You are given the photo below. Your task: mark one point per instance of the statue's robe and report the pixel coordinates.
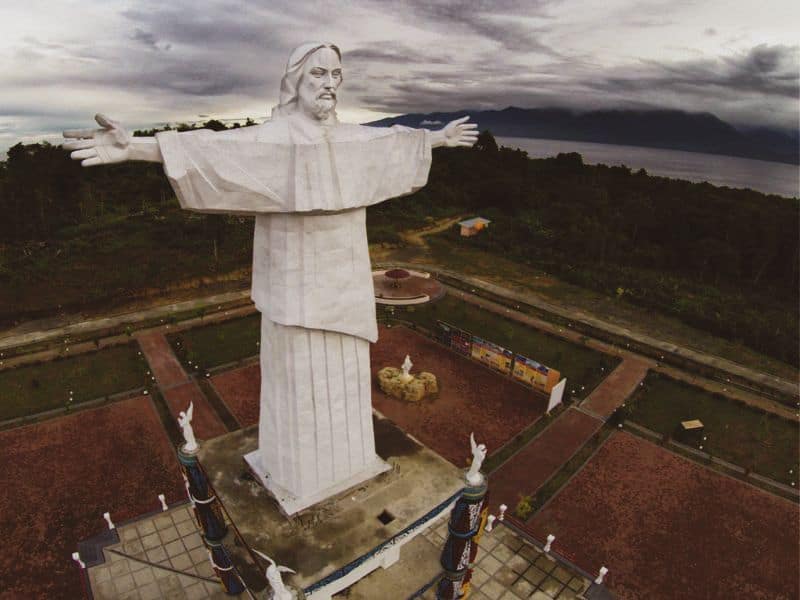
(308, 186)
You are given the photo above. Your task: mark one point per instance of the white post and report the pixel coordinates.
(77, 558)
(163, 501)
(503, 509)
(601, 575)
(107, 517)
(490, 522)
(550, 539)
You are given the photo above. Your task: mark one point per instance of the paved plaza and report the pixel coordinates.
(509, 567)
(157, 557)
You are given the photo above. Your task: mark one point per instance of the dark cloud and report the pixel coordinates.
(506, 22)
(766, 70)
(145, 37)
(737, 88)
(391, 52)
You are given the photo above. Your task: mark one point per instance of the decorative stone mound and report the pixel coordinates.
(420, 386)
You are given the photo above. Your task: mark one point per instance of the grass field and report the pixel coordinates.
(581, 366)
(764, 443)
(40, 387)
(218, 344)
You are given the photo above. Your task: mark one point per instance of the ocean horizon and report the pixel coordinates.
(717, 169)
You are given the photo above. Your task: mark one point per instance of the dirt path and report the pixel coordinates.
(416, 237)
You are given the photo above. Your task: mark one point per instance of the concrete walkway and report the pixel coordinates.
(59, 328)
(615, 388)
(591, 322)
(710, 385)
(178, 389)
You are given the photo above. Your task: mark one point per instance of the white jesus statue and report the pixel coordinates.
(308, 179)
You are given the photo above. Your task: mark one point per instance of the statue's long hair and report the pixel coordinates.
(291, 78)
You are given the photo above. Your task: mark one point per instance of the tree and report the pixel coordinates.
(486, 142)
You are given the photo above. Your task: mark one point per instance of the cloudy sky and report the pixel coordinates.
(147, 62)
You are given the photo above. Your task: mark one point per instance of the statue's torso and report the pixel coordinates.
(314, 271)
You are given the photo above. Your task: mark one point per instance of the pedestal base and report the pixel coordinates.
(340, 540)
(291, 504)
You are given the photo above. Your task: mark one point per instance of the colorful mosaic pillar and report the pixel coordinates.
(467, 521)
(223, 567)
(207, 509)
(210, 520)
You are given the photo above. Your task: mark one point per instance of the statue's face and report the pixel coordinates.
(322, 75)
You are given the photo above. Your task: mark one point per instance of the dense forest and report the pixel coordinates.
(723, 260)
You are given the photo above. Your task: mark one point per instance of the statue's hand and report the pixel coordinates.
(111, 144)
(460, 133)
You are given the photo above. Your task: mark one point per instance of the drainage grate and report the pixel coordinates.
(386, 517)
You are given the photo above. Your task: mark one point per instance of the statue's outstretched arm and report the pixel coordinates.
(110, 144)
(456, 133)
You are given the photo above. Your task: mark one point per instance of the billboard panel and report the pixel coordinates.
(535, 374)
(455, 338)
(497, 357)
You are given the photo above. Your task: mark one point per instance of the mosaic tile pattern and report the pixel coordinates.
(510, 568)
(170, 542)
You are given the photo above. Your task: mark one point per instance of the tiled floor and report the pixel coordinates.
(170, 542)
(510, 568)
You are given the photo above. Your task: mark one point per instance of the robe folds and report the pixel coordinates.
(308, 186)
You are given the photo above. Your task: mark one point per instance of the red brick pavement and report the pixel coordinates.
(667, 527)
(163, 362)
(177, 387)
(240, 389)
(58, 478)
(205, 422)
(526, 471)
(615, 388)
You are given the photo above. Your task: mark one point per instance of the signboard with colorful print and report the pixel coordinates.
(455, 338)
(535, 374)
(497, 357)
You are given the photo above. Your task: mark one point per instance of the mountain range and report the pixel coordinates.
(669, 129)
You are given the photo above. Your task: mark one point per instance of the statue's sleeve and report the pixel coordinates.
(386, 163)
(227, 172)
(232, 172)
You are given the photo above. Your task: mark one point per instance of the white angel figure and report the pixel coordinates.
(406, 368)
(185, 421)
(279, 591)
(474, 476)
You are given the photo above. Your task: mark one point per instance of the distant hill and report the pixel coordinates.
(671, 129)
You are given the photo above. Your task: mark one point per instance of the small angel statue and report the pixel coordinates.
(185, 421)
(279, 591)
(474, 475)
(406, 367)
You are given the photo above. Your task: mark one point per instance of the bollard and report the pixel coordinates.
(503, 509)
(107, 517)
(490, 522)
(601, 575)
(77, 558)
(163, 501)
(550, 539)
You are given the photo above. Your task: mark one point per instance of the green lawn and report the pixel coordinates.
(36, 388)
(580, 365)
(213, 345)
(747, 437)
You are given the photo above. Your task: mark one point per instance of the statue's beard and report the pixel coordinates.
(322, 108)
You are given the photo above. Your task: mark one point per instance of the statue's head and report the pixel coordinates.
(311, 82)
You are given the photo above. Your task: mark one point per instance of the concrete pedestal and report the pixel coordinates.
(337, 542)
(291, 504)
